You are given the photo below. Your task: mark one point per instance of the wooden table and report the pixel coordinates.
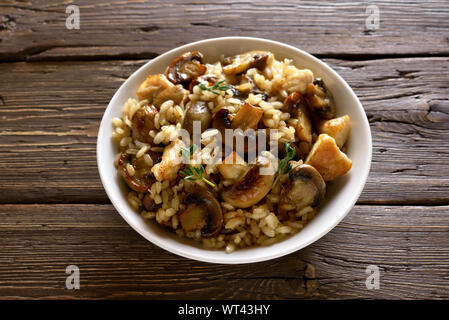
(55, 84)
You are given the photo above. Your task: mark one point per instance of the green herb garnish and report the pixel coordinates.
(190, 172)
(290, 153)
(186, 153)
(215, 86)
(284, 165)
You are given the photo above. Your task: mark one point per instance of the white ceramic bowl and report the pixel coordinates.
(341, 194)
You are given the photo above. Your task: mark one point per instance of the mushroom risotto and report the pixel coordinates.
(234, 153)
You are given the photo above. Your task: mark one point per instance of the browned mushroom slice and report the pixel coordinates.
(320, 100)
(140, 178)
(249, 190)
(247, 117)
(305, 188)
(152, 86)
(203, 212)
(149, 204)
(142, 122)
(295, 104)
(222, 121)
(174, 93)
(244, 86)
(197, 111)
(185, 68)
(242, 62)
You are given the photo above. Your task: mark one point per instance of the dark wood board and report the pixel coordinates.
(129, 29)
(56, 83)
(50, 115)
(408, 244)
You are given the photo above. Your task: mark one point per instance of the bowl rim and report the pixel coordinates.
(204, 258)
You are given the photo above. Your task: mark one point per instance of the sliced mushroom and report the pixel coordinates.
(198, 111)
(320, 100)
(222, 121)
(242, 62)
(244, 86)
(295, 104)
(149, 203)
(175, 93)
(252, 188)
(140, 178)
(142, 122)
(152, 86)
(247, 117)
(305, 188)
(185, 68)
(203, 212)
(338, 128)
(327, 158)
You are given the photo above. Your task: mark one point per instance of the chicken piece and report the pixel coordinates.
(338, 128)
(170, 163)
(296, 80)
(175, 93)
(152, 86)
(233, 167)
(327, 158)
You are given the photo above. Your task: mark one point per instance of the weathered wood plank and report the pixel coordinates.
(50, 112)
(108, 29)
(407, 104)
(408, 244)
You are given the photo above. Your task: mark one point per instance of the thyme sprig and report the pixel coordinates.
(190, 172)
(284, 165)
(215, 86)
(290, 153)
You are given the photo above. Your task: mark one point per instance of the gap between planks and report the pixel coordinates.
(153, 55)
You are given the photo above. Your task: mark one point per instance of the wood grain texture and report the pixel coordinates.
(54, 211)
(408, 244)
(36, 30)
(50, 113)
